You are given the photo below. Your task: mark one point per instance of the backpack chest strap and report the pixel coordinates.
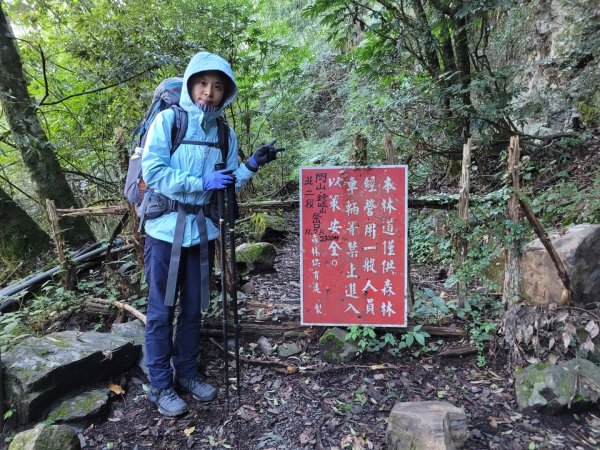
(208, 144)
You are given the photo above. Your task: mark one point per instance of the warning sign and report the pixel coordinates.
(353, 245)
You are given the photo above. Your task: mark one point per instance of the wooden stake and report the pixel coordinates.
(389, 149)
(512, 276)
(358, 154)
(463, 214)
(67, 275)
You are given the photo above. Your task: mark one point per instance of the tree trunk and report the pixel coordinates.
(20, 236)
(358, 155)
(31, 140)
(463, 64)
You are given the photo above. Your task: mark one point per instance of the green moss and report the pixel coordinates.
(590, 110)
(81, 405)
(330, 341)
(262, 221)
(332, 347)
(254, 252)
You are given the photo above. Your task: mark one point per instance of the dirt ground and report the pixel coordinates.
(303, 403)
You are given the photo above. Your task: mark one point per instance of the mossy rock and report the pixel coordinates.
(252, 258)
(46, 437)
(335, 348)
(268, 227)
(87, 405)
(547, 388)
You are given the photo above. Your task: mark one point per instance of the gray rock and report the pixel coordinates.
(134, 331)
(426, 426)
(288, 349)
(579, 247)
(255, 258)
(41, 370)
(335, 348)
(248, 288)
(269, 227)
(552, 389)
(87, 405)
(46, 437)
(265, 346)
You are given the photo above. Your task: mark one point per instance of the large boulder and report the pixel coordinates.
(135, 332)
(46, 437)
(41, 370)
(252, 258)
(429, 425)
(579, 248)
(554, 388)
(269, 227)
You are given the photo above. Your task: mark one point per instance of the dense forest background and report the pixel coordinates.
(403, 81)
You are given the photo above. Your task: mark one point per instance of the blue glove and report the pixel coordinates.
(219, 179)
(263, 155)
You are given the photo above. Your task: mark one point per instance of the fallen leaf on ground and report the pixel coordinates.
(116, 389)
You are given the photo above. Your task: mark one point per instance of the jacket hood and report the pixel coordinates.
(202, 62)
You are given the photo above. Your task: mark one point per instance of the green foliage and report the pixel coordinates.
(566, 202)
(365, 337)
(429, 241)
(430, 307)
(412, 340)
(8, 414)
(481, 314)
(52, 306)
(590, 109)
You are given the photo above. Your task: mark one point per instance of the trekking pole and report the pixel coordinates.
(234, 282)
(222, 237)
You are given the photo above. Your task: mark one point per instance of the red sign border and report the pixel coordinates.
(405, 319)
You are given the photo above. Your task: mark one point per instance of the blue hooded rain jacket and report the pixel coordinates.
(180, 176)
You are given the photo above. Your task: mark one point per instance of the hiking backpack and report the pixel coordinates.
(149, 204)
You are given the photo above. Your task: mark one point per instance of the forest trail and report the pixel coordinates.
(322, 406)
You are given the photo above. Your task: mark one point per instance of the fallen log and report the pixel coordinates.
(289, 205)
(458, 351)
(13, 293)
(257, 329)
(440, 202)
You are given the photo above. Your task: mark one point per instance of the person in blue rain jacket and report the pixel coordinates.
(188, 177)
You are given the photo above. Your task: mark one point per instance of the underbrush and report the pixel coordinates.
(55, 308)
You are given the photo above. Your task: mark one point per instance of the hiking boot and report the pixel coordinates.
(201, 390)
(168, 402)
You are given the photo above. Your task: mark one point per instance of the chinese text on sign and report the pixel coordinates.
(353, 245)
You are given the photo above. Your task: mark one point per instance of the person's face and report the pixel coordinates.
(207, 88)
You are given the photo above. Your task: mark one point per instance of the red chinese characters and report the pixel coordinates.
(353, 242)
